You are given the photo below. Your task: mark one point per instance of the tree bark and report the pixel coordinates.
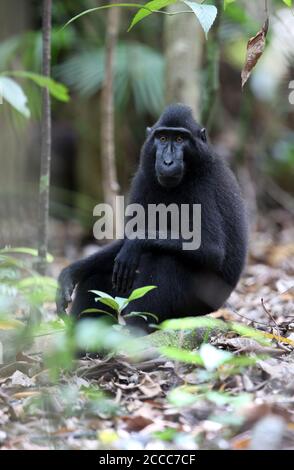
(212, 66)
(108, 164)
(46, 143)
(183, 45)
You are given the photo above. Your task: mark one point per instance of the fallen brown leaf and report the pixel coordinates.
(250, 345)
(22, 380)
(280, 253)
(241, 442)
(136, 423)
(33, 393)
(149, 388)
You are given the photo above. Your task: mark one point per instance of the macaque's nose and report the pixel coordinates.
(168, 161)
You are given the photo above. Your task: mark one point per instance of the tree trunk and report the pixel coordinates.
(183, 45)
(212, 66)
(108, 164)
(46, 143)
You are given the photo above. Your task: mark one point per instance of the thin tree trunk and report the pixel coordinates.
(109, 173)
(46, 143)
(184, 45)
(213, 69)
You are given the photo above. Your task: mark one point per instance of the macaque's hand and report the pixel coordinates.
(125, 266)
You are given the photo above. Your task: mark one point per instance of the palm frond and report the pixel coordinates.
(7, 50)
(138, 70)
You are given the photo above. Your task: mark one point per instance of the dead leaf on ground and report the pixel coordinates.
(136, 423)
(29, 394)
(277, 369)
(249, 345)
(22, 380)
(24, 367)
(149, 388)
(280, 253)
(268, 433)
(241, 442)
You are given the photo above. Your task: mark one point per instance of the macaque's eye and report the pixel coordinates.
(163, 139)
(179, 139)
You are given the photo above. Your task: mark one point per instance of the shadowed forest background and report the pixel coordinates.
(161, 61)
(117, 84)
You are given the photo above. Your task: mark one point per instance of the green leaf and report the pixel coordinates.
(206, 14)
(37, 281)
(288, 2)
(98, 310)
(180, 397)
(192, 323)
(138, 293)
(96, 334)
(248, 331)
(148, 8)
(168, 434)
(109, 302)
(182, 355)
(212, 357)
(52, 327)
(10, 324)
(221, 398)
(122, 302)
(95, 310)
(26, 251)
(243, 361)
(14, 95)
(121, 5)
(227, 2)
(106, 299)
(102, 294)
(142, 314)
(57, 90)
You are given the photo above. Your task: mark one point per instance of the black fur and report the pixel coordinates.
(189, 282)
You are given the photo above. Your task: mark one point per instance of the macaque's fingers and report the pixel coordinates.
(130, 284)
(124, 271)
(64, 295)
(61, 302)
(117, 278)
(68, 294)
(120, 278)
(125, 278)
(115, 274)
(131, 278)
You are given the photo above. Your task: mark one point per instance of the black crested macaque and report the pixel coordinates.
(177, 166)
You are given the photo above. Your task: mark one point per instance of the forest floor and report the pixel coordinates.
(163, 404)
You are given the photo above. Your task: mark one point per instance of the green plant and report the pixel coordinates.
(23, 293)
(205, 14)
(21, 287)
(119, 304)
(13, 93)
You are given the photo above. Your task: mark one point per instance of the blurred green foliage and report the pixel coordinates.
(139, 69)
(138, 76)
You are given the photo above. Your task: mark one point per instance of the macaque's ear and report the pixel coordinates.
(148, 131)
(203, 134)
